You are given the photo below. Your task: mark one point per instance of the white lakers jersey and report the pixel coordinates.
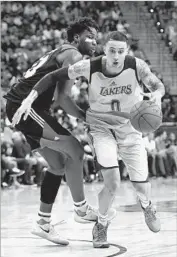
(113, 93)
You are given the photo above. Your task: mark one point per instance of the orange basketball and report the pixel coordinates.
(146, 116)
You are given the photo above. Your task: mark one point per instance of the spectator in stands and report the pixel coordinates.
(9, 165)
(81, 134)
(22, 152)
(33, 163)
(165, 15)
(89, 168)
(135, 50)
(82, 98)
(163, 163)
(40, 168)
(172, 152)
(166, 153)
(43, 13)
(151, 152)
(173, 139)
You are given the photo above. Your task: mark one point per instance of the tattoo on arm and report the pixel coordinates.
(149, 79)
(79, 69)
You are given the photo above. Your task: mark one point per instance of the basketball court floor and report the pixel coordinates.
(128, 234)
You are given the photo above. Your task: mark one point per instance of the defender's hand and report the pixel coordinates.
(23, 109)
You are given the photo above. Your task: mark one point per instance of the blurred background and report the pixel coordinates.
(30, 29)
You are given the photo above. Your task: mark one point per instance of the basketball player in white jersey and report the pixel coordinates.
(114, 89)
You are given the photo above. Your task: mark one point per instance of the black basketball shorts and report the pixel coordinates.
(33, 126)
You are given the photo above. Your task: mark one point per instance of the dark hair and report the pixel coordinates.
(159, 132)
(116, 35)
(79, 26)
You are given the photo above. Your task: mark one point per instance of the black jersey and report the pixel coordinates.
(46, 64)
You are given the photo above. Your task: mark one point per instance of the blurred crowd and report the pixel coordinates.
(20, 166)
(164, 14)
(162, 153)
(30, 29)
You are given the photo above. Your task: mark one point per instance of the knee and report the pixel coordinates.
(57, 169)
(114, 186)
(113, 181)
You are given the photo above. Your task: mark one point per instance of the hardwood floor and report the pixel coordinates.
(128, 233)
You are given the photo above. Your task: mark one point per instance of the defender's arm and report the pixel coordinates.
(62, 93)
(81, 68)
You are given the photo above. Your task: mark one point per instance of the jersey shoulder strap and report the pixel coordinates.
(130, 63)
(95, 64)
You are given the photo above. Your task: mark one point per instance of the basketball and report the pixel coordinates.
(146, 116)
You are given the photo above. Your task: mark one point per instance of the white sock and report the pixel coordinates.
(145, 195)
(145, 204)
(44, 216)
(144, 200)
(81, 206)
(103, 219)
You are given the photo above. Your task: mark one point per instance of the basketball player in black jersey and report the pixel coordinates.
(60, 149)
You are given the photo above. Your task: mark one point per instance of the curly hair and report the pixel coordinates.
(79, 26)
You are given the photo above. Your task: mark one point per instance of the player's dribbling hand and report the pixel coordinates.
(23, 109)
(154, 97)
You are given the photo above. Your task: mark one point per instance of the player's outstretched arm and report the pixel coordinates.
(46, 82)
(81, 68)
(62, 93)
(154, 84)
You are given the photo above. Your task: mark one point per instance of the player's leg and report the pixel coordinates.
(106, 153)
(35, 128)
(74, 174)
(135, 158)
(111, 178)
(83, 212)
(59, 139)
(32, 128)
(52, 177)
(48, 193)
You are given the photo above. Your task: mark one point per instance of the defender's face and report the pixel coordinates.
(115, 53)
(87, 42)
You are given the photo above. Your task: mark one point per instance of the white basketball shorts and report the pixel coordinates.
(125, 142)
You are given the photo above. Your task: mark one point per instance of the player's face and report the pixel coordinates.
(87, 43)
(115, 53)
